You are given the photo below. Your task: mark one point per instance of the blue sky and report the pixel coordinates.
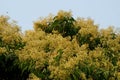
(103, 12)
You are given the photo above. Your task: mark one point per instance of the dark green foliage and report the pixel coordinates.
(82, 39)
(47, 49)
(43, 72)
(57, 58)
(85, 39)
(76, 74)
(9, 70)
(65, 26)
(26, 66)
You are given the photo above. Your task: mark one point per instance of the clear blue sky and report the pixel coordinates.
(103, 12)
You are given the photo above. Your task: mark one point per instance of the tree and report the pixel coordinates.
(60, 48)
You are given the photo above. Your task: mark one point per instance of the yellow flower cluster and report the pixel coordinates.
(33, 77)
(62, 14)
(87, 27)
(107, 32)
(2, 50)
(9, 32)
(43, 22)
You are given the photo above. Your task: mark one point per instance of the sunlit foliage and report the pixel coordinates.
(61, 48)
